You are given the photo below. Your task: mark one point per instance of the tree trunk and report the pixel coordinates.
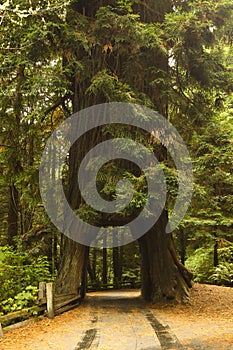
(94, 264)
(13, 208)
(115, 259)
(216, 250)
(105, 267)
(163, 276)
(14, 162)
(120, 267)
(69, 278)
(183, 245)
(90, 271)
(83, 287)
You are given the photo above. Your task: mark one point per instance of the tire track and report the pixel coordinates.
(88, 338)
(94, 337)
(167, 338)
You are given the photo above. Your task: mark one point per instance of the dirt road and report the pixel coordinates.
(121, 320)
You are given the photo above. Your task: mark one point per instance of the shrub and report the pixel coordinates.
(24, 299)
(201, 264)
(19, 276)
(223, 274)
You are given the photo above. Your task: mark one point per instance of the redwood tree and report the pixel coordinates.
(108, 52)
(60, 57)
(152, 53)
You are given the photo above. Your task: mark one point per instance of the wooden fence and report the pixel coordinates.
(48, 304)
(132, 284)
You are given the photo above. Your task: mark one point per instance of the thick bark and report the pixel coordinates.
(71, 269)
(163, 276)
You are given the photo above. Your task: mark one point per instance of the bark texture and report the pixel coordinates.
(72, 266)
(163, 275)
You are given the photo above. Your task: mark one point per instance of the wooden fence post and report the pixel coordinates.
(50, 301)
(1, 331)
(42, 291)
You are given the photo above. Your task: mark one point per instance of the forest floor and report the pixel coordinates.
(121, 320)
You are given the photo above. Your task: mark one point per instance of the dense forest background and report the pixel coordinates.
(38, 51)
